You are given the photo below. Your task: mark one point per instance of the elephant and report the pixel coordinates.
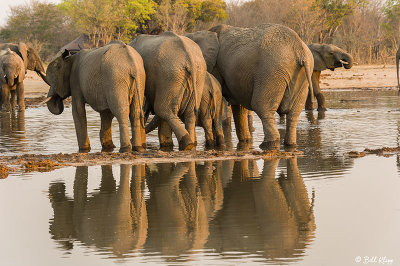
(12, 75)
(111, 79)
(30, 56)
(114, 217)
(271, 216)
(264, 69)
(175, 75)
(209, 117)
(326, 56)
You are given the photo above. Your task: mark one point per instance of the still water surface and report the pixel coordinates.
(320, 209)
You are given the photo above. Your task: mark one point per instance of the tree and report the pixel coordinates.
(105, 20)
(40, 24)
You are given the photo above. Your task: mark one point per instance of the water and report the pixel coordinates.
(320, 209)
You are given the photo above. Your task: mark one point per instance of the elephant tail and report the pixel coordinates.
(397, 68)
(192, 87)
(152, 125)
(309, 67)
(135, 83)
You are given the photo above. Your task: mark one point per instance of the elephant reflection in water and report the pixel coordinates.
(178, 215)
(113, 218)
(262, 213)
(12, 126)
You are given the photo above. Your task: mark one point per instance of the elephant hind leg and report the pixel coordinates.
(165, 135)
(293, 116)
(138, 141)
(240, 117)
(105, 131)
(267, 98)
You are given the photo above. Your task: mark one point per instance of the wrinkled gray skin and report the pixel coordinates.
(326, 56)
(12, 75)
(264, 69)
(175, 74)
(111, 79)
(210, 114)
(29, 55)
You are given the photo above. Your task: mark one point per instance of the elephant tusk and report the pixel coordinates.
(46, 100)
(343, 62)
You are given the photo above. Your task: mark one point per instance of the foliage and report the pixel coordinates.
(40, 24)
(106, 20)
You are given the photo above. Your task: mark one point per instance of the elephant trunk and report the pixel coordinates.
(54, 103)
(43, 76)
(345, 60)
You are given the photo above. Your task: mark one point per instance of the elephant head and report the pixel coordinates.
(32, 60)
(209, 45)
(58, 73)
(12, 68)
(329, 56)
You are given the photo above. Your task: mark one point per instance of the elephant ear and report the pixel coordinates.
(319, 62)
(209, 45)
(21, 74)
(23, 50)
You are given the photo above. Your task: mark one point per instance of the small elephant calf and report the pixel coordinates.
(12, 75)
(111, 79)
(209, 116)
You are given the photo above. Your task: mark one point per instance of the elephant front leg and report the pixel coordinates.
(250, 119)
(6, 97)
(240, 117)
(105, 131)
(12, 99)
(317, 91)
(80, 121)
(21, 97)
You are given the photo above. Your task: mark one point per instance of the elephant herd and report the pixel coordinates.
(189, 79)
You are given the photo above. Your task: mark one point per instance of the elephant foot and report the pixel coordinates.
(125, 149)
(186, 144)
(166, 145)
(84, 149)
(321, 109)
(290, 147)
(270, 145)
(309, 104)
(246, 140)
(210, 144)
(220, 141)
(107, 147)
(138, 148)
(243, 146)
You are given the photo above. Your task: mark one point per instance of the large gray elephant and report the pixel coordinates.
(12, 75)
(175, 74)
(29, 55)
(326, 56)
(111, 79)
(209, 117)
(264, 69)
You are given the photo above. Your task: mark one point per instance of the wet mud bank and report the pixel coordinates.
(385, 151)
(40, 162)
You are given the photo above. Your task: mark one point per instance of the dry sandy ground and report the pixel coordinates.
(359, 77)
